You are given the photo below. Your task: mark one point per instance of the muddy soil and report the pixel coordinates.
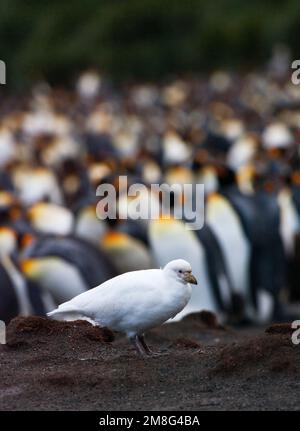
(48, 365)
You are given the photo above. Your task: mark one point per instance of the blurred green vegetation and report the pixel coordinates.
(146, 39)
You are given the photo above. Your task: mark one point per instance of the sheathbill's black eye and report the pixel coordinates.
(180, 271)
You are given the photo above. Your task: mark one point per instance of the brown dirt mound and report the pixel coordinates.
(206, 318)
(260, 353)
(59, 379)
(23, 331)
(202, 327)
(186, 343)
(280, 328)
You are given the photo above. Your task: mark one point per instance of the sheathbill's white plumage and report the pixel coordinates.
(134, 302)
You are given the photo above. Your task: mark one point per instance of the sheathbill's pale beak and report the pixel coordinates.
(189, 278)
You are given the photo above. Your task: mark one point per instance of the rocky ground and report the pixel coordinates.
(48, 365)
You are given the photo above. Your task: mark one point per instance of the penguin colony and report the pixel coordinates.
(237, 135)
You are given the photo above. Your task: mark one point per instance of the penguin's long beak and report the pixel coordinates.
(190, 278)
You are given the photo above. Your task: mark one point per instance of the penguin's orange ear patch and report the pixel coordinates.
(5, 230)
(296, 178)
(114, 239)
(165, 217)
(36, 211)
(6, 199)
(214, 197)
(27, 239)
(27, 266)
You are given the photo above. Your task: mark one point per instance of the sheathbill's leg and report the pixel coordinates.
(143, 343)
(138, 345)
(149, 351)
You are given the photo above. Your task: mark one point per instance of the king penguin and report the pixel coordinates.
(169, 239)
(65, 266)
